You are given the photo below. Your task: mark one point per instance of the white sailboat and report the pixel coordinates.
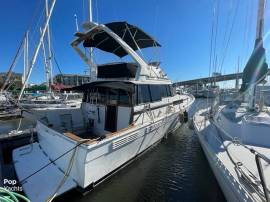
(35, 107)
(236, 137)
(127, 108)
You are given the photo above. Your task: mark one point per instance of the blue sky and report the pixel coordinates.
(182, 27)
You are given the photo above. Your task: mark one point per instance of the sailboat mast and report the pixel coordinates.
(260, 21)
(92, 70)
(257, 47)
(26, 53)
(33, 61)
(90, 10)
(46, 68)
(50, 81)
(24, 58)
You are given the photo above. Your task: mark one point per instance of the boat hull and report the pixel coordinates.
(224, 170)
(218, 170)
(93, 163)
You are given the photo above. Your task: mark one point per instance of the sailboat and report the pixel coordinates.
(35, 107)
(127, 108)
(236, 137)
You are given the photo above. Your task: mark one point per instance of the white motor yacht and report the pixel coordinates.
(127, 108)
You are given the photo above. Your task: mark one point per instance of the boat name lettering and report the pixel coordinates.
(153, 127)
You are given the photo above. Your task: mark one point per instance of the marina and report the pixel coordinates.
(120, 125)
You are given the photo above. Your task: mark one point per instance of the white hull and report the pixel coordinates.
(98, 160)
(222, 154)
(33, 106)
(218, 170)
(37, 113)
(93, 162)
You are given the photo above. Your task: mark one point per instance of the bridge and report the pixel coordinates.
(211, 79)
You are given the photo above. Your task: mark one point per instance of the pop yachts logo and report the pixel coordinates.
(12, 185)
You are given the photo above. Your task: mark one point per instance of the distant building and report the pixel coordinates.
(71, 79)
(15, 79)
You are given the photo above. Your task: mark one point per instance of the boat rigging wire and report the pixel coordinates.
(249, 29)
(57, 64)
(245, 37)
(13, 64)
(217, 12)
(211, 45)
(213, 35)
(230, 34)
(226, 28)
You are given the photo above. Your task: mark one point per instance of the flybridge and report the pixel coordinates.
(120, 39)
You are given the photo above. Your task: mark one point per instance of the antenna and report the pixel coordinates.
(76, 23)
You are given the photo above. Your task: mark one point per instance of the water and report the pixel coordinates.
(14, 124)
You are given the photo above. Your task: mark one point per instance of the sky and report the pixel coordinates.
(182, 27)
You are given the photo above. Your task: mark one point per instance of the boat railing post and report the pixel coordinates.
(262, 178)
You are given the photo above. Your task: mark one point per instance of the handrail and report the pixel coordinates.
(261, 174)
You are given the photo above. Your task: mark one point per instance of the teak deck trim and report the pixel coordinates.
(79, 139)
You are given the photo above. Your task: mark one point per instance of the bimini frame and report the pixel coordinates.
(143, 69)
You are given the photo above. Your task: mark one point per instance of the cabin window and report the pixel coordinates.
(143, 94)
(172, 90)
(108, 96)
(112, 96)
(92, 96)
(101, 96)
(169, 92)
(163, 91)
(84, 96)
(124, 98)
(155, 92)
